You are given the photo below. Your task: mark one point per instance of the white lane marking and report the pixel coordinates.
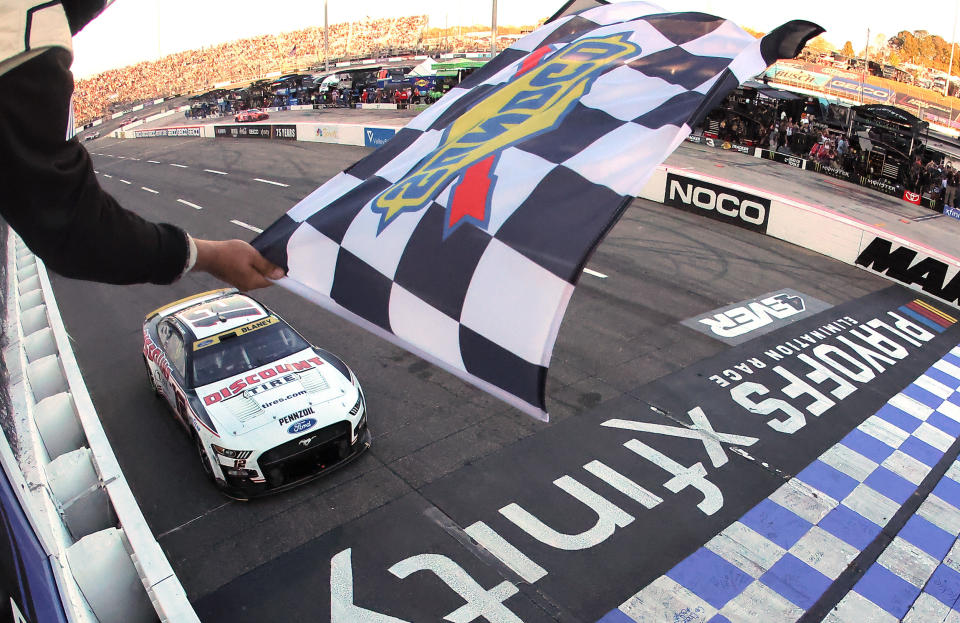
(150, 190)
(187, 203)
(107, 155)
(125, 181)
(594, 273)
(214, 171)
(132, 158)
(122, 157)
(97, 172)
(257, 179)
(174, 164)
(107, 175)
(153, 162)
(246, 226)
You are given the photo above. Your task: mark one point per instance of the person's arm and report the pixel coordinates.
(51, 197)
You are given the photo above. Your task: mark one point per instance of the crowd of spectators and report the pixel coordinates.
(814, 141)
(244, 59)
(936, 180)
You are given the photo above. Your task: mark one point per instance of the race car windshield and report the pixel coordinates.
(240, 354)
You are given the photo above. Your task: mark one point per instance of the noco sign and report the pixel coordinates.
(717, 202)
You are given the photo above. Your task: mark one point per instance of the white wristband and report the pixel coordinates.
(191, 256)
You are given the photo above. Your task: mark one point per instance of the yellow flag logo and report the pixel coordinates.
(534, 102)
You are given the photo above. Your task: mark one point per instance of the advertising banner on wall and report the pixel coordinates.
(159, 132)
(853, 88)
(242, 131)
(284, 131)
(717, 202)
(375, 137)
(797, 75)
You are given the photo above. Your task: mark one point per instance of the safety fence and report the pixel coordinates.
(81, 513)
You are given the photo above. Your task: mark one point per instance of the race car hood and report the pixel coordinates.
(295, 387)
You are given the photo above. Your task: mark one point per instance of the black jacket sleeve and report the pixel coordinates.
(51, 197)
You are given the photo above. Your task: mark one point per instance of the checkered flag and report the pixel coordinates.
(461, 239)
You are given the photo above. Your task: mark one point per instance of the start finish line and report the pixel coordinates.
(572, 522)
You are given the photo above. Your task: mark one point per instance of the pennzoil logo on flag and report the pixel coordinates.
(462, 237)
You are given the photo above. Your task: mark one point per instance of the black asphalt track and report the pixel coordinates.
(445, 455)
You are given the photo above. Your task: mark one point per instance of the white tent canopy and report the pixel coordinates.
(424, 69)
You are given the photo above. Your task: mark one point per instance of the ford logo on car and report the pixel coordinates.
(301, 425)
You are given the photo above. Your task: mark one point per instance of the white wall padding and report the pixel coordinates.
(40, 344)
(46, 377)
(31, 299)
(75, 484)
(60, 429)
(34, 319)
(29, 284)
(108, 579)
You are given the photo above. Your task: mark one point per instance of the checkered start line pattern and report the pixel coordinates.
(780, 557)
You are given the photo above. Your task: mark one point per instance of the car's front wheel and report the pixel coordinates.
(152, 380)
(202, 455)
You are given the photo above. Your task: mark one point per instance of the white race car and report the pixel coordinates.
(266, 410)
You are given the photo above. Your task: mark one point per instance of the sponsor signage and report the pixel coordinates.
(853, 87)
(376, 106)
(718, 202)
(835, 172)
(952, 212)
(912, 197)
(302, 425)
(743, 149)
(776, 156)
(241, 131)
(712, 142)
(331, 132)
(660, 471)
(269, 376)
(178, 131)
(284, 131)
(880, 184)
(739, 322)
(799, 76)
(913, 268)
(909, 101)
(375, 137)
(296, 415)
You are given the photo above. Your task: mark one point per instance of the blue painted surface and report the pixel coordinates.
(23, 558)
(375, 137)
(718, 581)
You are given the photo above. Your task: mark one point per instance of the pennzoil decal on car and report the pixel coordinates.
(296, 415)
(739, 322)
